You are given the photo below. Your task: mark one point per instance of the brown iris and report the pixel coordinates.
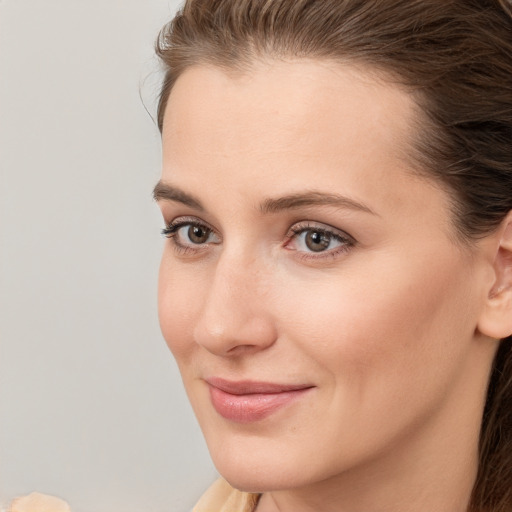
(317, 241)
(198, 234)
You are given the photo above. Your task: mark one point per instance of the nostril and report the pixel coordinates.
(235, 335)
(239, 350)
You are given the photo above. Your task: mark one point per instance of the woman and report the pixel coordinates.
(337, 283)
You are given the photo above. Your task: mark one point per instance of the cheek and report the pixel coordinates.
(178, 300)
(384, 330)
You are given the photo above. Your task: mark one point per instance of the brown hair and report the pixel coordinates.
(455, 56)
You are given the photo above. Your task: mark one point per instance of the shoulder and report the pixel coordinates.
(221, 497)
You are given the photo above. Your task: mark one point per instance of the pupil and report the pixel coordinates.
(197, 234)
(317, 241)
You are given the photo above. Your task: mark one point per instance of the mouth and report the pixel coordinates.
(251, 401)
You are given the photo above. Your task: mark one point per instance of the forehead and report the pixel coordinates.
(281, 104)
(302, 120)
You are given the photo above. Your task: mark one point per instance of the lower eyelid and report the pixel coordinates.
(322, 257)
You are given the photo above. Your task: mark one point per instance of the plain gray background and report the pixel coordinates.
(91, 403)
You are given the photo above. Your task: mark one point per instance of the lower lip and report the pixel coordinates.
(251, 407)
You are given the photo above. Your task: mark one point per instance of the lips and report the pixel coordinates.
(250, 401)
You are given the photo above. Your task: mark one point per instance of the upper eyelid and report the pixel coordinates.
(301, 226)
(184, 220)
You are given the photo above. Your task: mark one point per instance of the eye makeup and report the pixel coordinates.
(309, 240)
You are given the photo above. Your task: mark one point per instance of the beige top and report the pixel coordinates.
(37, 502)
(221, 497)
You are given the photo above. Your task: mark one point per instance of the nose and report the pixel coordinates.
(236, 315)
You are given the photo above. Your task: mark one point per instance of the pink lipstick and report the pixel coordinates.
(250, 401)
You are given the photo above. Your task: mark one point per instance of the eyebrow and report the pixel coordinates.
(312, 198)
(166, 192)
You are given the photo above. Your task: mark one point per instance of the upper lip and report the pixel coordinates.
(250, 387)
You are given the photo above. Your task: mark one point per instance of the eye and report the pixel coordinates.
(195, 234)
(315, 239)
(187, 233)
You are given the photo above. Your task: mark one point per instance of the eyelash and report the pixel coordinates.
(345, 240)
(171, 231)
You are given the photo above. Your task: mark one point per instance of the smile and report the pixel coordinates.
(248, 401)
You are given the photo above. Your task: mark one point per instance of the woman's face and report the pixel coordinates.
(311, 289)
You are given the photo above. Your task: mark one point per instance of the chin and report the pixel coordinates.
(239, 467)
(259, 471)
(255, 480)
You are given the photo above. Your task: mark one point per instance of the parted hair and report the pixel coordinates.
(455, 58)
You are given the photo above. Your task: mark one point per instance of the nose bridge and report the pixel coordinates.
(235, 312)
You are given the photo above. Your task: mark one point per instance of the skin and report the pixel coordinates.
(383, 324)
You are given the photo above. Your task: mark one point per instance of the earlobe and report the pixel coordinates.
(496, 318)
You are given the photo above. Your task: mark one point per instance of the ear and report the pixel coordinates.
(496, 318)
